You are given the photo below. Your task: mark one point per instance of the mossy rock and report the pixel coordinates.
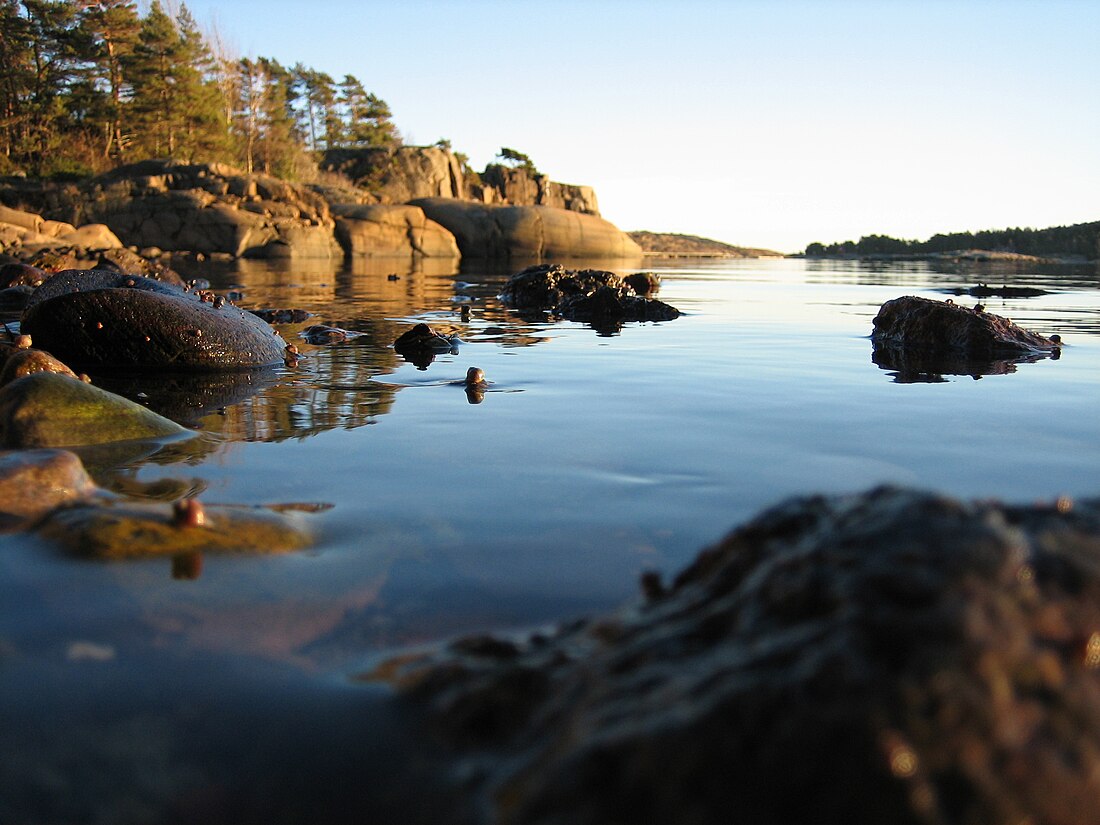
(129, 531)
(46, 409)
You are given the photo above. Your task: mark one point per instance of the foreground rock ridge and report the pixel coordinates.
(890, 656)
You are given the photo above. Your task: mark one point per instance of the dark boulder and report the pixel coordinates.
(609, 305)
(108, 321)
(938, 326)
(17, 274)
(893, 656)
(598, 297)
(421, 344)
(282, 316)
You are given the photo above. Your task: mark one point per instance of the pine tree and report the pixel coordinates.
(366, 117)
(110, 29)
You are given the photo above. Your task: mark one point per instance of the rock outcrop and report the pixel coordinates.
(399, 231)
(519, 187)
(209, 208)
(501, 232)
(400, 174)
(893, 656)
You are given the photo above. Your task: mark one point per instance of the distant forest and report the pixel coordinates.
(87, 85)
(1081, 239)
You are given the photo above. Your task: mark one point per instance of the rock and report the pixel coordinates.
(282, 316)
(46, 409)
(892, 656)
(115, 530)
(33, 482)
(612, 306)
(95, 236)
(600, 298)
(399, 174)
(15, 298)
(519, 187)
(23, 220)
(118, 322)
(199, 208)
(484, 231)
(910, 365)
(421, 344)
(321, 334)
(643, 283)
(545, 286)
(131, 263)
(937, 326)
(17, 274)
(24, 362)
(377, 230)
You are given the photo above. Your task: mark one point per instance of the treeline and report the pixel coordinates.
(87, 85)
(1079, 239)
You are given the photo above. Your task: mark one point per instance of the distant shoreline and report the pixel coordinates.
(955, 256)
(674, 245)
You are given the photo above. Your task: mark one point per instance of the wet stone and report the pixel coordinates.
(34, 482)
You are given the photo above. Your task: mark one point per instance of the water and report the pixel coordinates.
(590, 459)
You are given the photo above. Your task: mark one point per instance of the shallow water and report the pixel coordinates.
(591, 458)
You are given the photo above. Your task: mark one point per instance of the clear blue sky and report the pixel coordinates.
(758, 123)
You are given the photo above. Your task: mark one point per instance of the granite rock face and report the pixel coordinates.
(208, 208)
(398, 231)
(892, 656)
(501, 232)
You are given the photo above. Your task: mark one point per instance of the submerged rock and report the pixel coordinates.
(282, 316)
(938, 326)
(116, 530)
(33, 482)
(46, 409)
(421, 344)
(109, 321)
(893, 656)
(611, 305)
(321, 334)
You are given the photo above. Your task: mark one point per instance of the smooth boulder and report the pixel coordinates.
(46, 409)
(109, 321)
(484, 231)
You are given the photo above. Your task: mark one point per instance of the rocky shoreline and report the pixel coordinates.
(159, 207)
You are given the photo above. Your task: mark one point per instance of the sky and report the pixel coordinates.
(765, 124)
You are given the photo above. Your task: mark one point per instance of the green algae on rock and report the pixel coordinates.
(33, 482)
(50, 410)
(114, 530)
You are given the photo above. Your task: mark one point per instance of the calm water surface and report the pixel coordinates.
(592, 457)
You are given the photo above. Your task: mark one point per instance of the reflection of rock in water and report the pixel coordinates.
(915, 366)
(887, 657)
(186, 398)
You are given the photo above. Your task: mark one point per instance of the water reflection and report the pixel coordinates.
(911, 366)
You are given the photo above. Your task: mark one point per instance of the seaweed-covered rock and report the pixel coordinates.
(545, 286)
(33, 482)
(109, 321)
(598, 297)
(938, 326)
(46, 409)
(893, 656)
(421, 344)
(611, 305)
